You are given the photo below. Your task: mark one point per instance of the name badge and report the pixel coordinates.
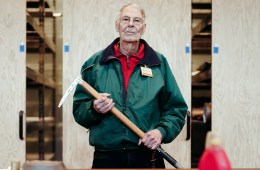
(145, 71)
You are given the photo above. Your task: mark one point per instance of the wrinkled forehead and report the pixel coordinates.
(132, 11)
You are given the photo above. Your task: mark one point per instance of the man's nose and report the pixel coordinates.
(131, 22)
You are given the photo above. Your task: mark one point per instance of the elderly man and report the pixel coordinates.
(138, 81)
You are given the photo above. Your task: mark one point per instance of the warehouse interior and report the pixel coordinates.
(44, 57)
(48, 137)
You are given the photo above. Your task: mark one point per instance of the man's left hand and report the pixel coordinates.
(151, 139)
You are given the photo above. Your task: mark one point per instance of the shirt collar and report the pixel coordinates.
(150, 57)
(139, 55)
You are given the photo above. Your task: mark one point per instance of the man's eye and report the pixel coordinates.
(126, 19)
(137, 20)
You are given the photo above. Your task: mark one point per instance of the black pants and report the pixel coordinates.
(138, 158)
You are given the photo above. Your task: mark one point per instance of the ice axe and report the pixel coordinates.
(119, 115)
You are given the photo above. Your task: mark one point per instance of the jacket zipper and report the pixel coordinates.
(127, 62)
(124, 107)
(120, 75)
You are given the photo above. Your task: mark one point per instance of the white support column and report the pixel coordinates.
(236, 79)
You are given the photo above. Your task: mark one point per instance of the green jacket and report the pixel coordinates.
(149, 102)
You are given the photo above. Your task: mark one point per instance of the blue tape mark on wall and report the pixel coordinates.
(21, 47)
(215, 50)
(66, 48)
(187, 50)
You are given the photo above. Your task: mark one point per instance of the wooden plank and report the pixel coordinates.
(40, 31)
(36, 123)
(37, 119)
(200, 13)
(35, 156)
(200, 25)
(235, 79)
(39, 78)
(94, 28)
(13, 81)
(34, 12)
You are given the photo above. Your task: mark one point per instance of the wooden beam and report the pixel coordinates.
(34, 12)
(200, 13)
(39, 78)
(200, 25)
(40, 31)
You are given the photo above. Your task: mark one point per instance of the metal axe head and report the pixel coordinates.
(76, 81)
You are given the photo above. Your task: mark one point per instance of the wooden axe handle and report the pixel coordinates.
(114, 110)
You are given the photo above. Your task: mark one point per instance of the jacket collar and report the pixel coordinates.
(150, 57)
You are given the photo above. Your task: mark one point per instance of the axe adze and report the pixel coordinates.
(119, 115)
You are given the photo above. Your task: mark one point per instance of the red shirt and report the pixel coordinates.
(129, 64)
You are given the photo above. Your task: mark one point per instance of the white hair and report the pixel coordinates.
(141, 9)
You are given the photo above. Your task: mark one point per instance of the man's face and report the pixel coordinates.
(130, 25)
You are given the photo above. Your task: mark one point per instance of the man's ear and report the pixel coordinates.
(117, 26)
(143, 29)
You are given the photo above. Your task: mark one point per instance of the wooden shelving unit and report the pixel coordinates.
(201, 79)
(41, 80)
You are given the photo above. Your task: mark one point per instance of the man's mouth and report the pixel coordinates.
(130, 33)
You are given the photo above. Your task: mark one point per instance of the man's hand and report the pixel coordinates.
(104, 104)
(151, 139)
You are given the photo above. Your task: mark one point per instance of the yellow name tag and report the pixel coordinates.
(146, 71)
